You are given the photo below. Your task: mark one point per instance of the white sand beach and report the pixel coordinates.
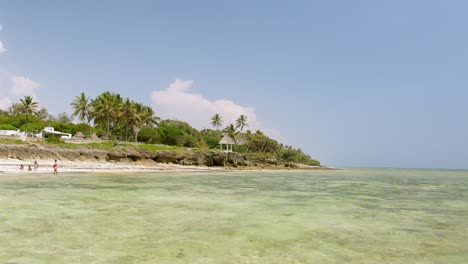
(45, 166)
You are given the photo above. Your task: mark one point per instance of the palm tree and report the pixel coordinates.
(105, 109)
(149, 118)
(217, 121)
(241, 122)
(64, 118)
(14, 109)
(231, 131)
(144, 116)
(136, 120)
(128, 115)
(116, 118)
(43, 114)
(28, 106)
(82, 109)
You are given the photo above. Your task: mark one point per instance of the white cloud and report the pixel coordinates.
(23, 86)
(177, 102)
(180, 85)
(5, 102)
(20, 86)
(13, 88)
(2, 48)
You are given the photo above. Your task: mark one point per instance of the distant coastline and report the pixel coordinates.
(131, 159)
(127, 129)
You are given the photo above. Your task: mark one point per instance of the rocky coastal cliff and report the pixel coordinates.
(190, 157)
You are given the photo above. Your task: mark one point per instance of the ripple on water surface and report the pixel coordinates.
(343, 216)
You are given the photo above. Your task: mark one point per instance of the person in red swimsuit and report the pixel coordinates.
(55, 167)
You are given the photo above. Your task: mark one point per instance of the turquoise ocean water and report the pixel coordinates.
(340, 216)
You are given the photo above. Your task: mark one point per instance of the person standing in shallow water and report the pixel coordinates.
(36, 165)
(55, 167)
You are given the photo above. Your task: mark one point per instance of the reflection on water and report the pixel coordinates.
(346, 216)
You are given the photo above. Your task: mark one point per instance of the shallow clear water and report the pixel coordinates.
(343, 216)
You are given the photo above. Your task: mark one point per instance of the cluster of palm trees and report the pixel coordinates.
(115, 114)
(27, 106)
(231, 130)
(118, 116)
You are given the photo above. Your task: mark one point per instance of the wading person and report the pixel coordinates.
(36, 165)
(55, 167)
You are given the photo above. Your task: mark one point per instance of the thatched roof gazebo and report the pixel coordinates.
(228, 141)
(94, 137)
(79, 135)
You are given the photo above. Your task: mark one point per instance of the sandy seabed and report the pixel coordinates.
(352, 216)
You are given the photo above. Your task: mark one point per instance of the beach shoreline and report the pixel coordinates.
(66, 166)
(133, 159)
(45, 166)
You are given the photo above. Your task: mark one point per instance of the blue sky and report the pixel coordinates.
(353, 83)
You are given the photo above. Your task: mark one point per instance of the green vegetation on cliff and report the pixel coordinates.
(109, 116)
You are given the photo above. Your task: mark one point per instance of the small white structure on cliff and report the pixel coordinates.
(9, 132)
(14, 133)
(51, 131)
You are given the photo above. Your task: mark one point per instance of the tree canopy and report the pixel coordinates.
(113, 117)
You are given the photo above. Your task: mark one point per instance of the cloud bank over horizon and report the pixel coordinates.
(14, 87)
(178, 102)
(2, 47)
(22, 86)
